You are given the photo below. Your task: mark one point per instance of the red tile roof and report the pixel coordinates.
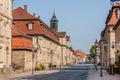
(17, 32)
(82, 55)
(112, 17)
(20, 13)
(37, 29)
(21, 17)
(76, 53)
(20, 40)
(79, 53)
(113, 20)
(21, 43)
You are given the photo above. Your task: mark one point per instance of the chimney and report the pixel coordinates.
(38, 17)
(34, 14)
(25, 7)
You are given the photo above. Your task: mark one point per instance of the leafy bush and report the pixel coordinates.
(51, 65)
(41, 67)
(37, 68)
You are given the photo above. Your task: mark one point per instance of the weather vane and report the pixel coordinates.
(114, 1)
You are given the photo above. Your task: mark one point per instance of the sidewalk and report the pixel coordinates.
(95, 75)
(7, 76)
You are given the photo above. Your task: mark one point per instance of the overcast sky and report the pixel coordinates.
(83, 20)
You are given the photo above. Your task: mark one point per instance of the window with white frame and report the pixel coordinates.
(30, 26)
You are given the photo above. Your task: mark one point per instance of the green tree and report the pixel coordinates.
(92, 51)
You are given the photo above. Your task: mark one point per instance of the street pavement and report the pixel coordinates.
(8, 76)
(74, 72)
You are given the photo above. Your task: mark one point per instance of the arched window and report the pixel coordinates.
(54, 25)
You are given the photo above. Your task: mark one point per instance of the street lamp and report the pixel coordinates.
(34, 49)
(96, 43)
(104, 44)
(101, 60)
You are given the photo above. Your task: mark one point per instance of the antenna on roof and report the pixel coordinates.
(114, 2)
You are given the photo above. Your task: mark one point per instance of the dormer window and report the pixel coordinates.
(118, 13)
(30, 26)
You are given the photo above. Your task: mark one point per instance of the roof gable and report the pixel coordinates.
(19, 13)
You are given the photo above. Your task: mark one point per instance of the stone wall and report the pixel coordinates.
(21, 60)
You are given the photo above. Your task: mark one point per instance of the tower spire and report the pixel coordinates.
(54, 22)
(54, 12)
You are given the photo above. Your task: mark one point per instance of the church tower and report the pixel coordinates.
(54, 23)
